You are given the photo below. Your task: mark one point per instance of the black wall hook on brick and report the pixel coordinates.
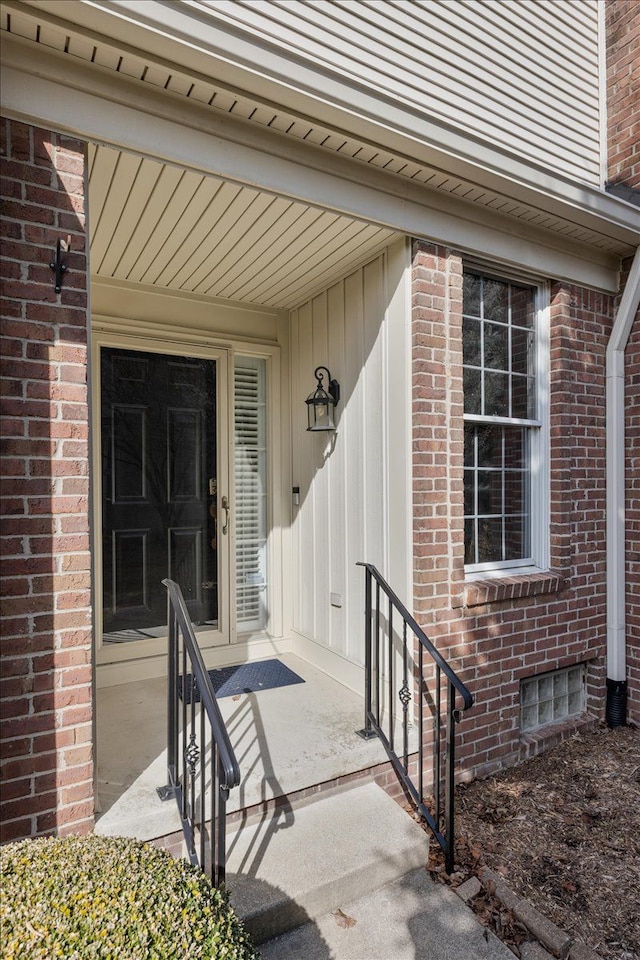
(58, 267)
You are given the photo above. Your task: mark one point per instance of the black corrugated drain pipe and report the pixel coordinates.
(616, 710)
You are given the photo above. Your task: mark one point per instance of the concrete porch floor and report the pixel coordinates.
(286, 740)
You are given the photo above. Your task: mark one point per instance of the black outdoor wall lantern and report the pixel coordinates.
(321, 403)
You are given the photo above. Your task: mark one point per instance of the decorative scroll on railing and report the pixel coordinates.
(396, 658)
(201, 763)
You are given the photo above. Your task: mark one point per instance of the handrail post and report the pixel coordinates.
(221, 859)
(172, 746)
(169, 791)
(437, 748)
(367, 732)
(449, 781)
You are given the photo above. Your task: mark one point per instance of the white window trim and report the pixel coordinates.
(539, 497)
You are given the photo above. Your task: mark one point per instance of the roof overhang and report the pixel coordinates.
(380, 167)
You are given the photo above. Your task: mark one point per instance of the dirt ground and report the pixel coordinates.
(564, 830)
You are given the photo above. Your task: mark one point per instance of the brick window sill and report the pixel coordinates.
(534, 741)
(481, 592)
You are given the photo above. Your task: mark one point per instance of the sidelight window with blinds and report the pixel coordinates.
(250, 429)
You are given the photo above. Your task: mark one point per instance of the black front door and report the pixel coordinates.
(159, 489)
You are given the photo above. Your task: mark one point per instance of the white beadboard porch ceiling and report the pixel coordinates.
(157, 224)
(37, 23)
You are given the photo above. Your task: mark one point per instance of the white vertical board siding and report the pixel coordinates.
(345, 478)
(522, 75)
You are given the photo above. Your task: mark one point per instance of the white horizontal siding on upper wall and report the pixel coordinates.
(522, 75)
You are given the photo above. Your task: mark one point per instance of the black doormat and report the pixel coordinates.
(246, 678)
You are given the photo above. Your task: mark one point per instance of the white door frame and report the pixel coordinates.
(151, 648)
(166, 337)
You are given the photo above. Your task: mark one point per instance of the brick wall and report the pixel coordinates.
(497, 633)
(623, 92)
(47, 770)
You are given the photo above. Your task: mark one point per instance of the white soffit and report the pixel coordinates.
(157, 224)
(42, 27)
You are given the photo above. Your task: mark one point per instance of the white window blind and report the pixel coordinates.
(251, 493)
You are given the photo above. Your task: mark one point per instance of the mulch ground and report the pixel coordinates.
(563, 829)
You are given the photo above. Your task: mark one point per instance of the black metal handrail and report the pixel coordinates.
(196, 737)
(377, 658)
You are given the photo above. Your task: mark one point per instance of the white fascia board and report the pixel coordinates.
(188, 33)
(92, 104)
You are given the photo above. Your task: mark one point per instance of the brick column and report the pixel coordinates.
(47, 768)
(623, 101)
(438, 437)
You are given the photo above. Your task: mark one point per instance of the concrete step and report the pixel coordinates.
(293, 867)
(412, 918)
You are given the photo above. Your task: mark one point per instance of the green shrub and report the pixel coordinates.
(110, 897)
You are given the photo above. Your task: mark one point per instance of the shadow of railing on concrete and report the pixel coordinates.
(273, 812)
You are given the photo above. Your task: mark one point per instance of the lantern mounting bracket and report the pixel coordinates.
(333, 388)
(57, 265)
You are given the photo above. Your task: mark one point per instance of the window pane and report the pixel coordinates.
(522, 397)
(496, 300)
(515, 455)
(470, 541)
(489, 492)
(472, 391)
(560, 683)
(469, 490)
(575, 678)
(471, 295)
(522, 306)
(471, 342)
(489, 445)
(575, 702)
(469, 434)
(496, 346)
(521, 350)
(515, 539)
(545, 712)
(513, 492)
(546, 687)
(496, 393)
(489, 541)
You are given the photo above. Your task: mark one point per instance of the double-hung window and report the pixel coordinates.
(504, 364)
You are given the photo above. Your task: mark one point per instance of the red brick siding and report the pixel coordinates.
(47, 768)
(632, 436)
(519, 630)
(623, 91)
